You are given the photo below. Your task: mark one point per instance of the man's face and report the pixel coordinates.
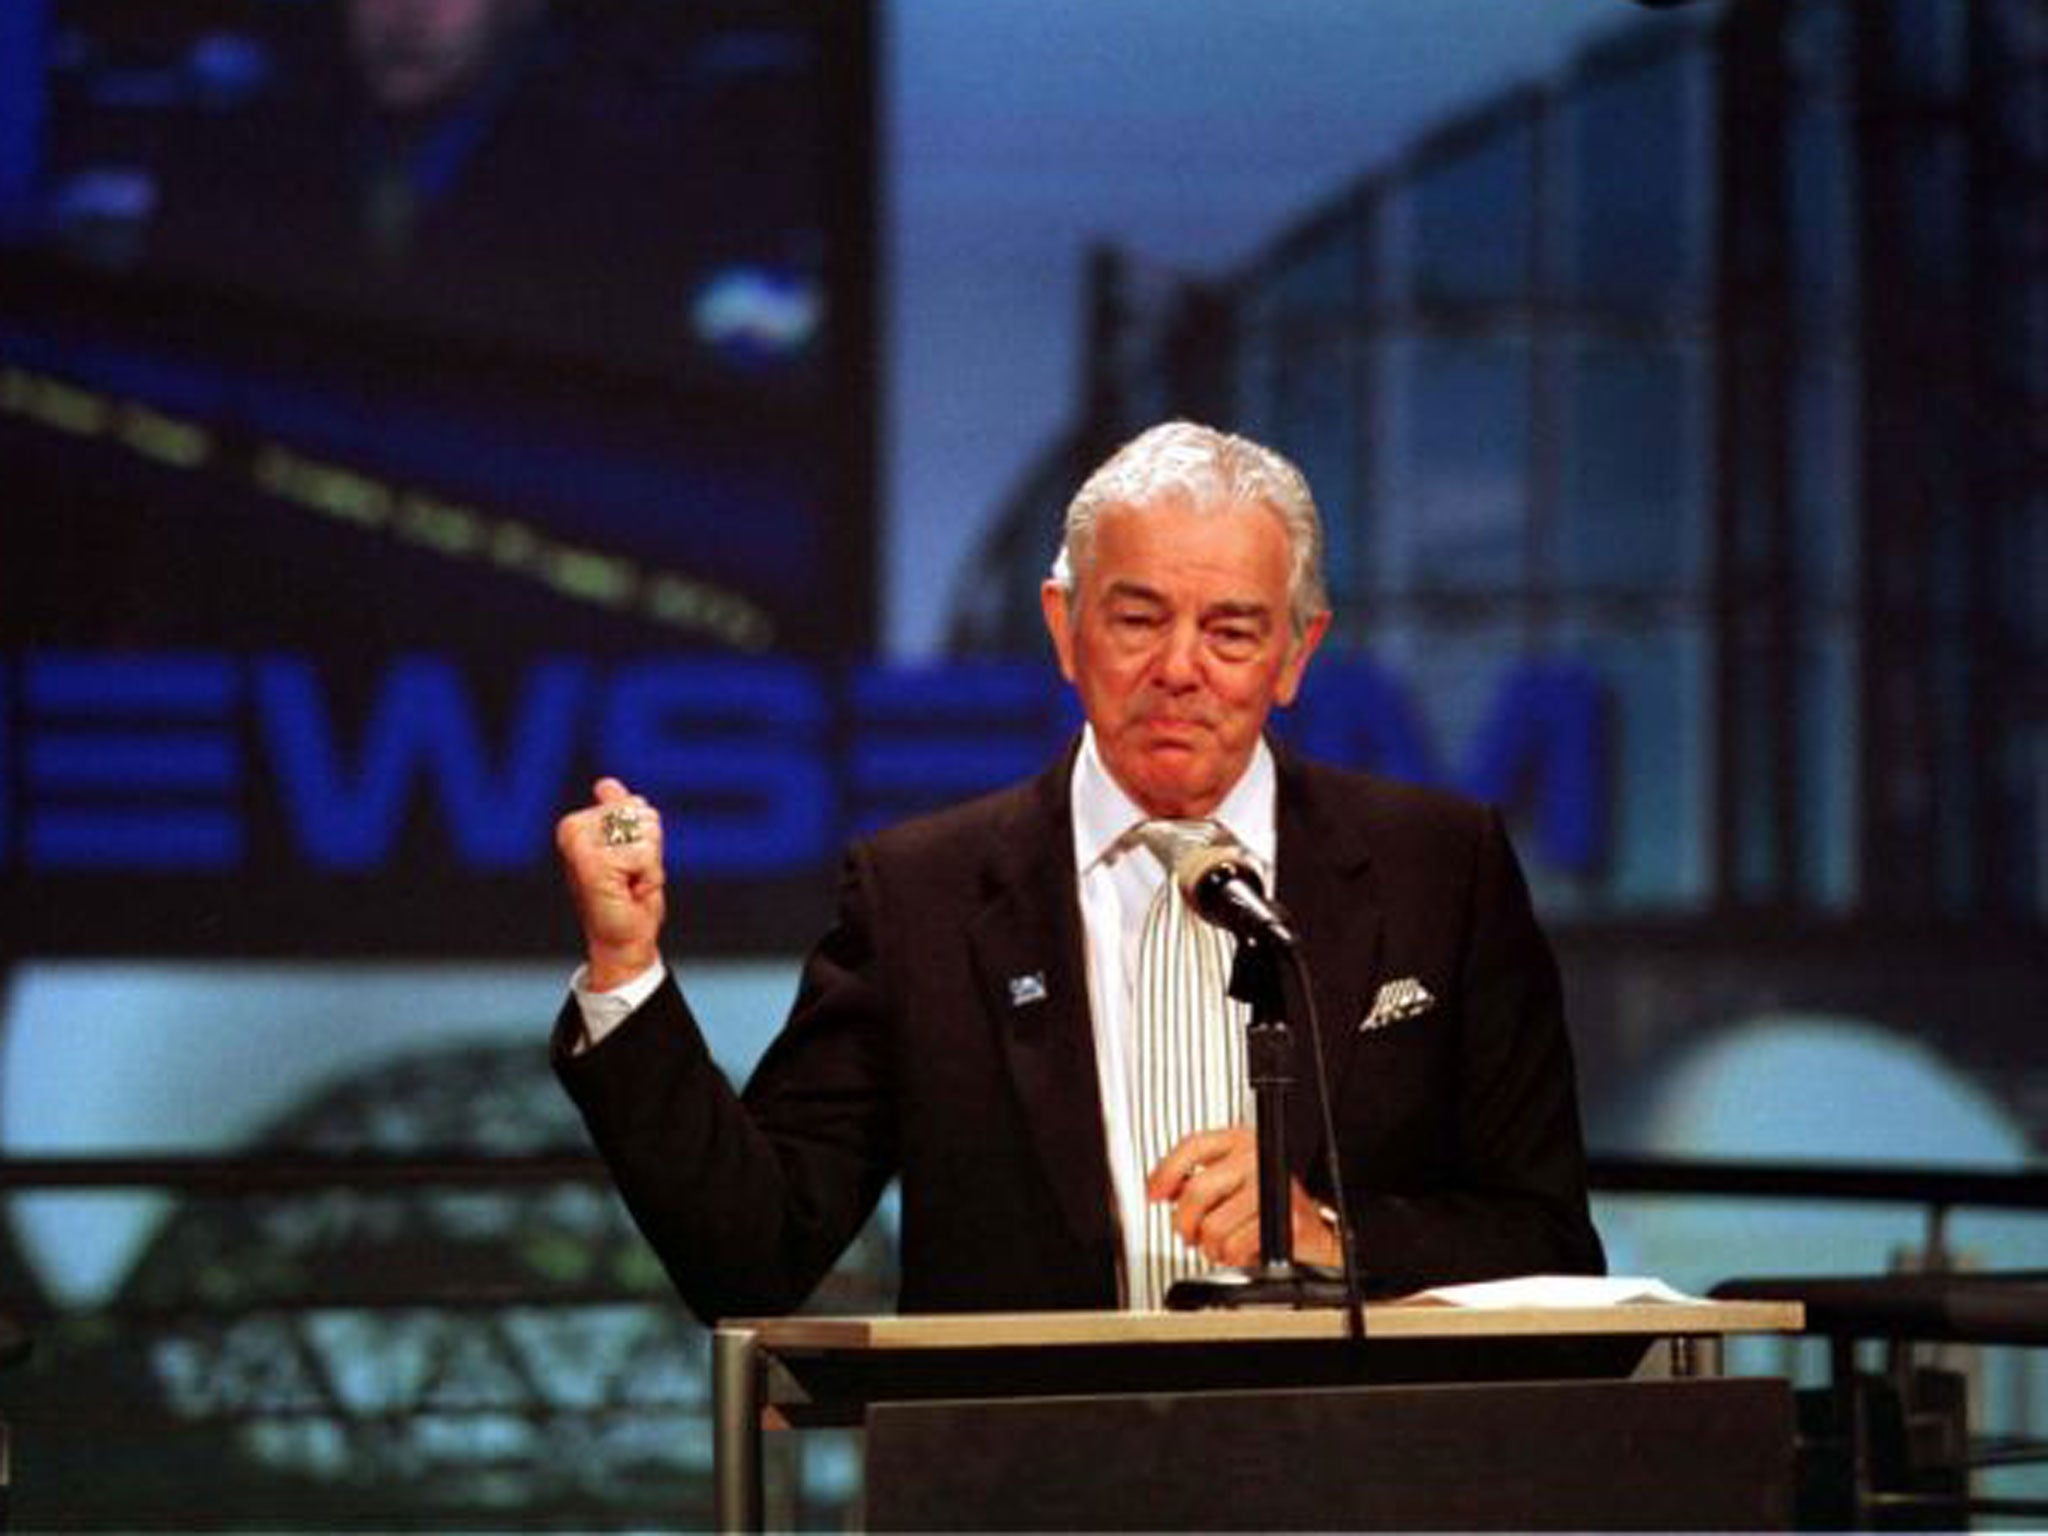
(1178, 641)
(415, 54)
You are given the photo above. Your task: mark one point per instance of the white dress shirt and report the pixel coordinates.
(1117, 885)
(604, 1012)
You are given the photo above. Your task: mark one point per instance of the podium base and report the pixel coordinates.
(1295, 1287)
(1469, 1455)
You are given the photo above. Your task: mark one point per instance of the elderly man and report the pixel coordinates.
(1014, 1014)
(418, 56)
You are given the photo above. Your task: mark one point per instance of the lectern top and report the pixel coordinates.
(1391, 1320)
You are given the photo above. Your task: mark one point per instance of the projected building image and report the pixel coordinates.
(1678, 426)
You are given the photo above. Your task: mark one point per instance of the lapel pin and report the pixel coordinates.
(1027, 989)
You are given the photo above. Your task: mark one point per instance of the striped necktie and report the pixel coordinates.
(1189, 1073)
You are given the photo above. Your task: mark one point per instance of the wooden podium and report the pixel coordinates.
(1443, 1417)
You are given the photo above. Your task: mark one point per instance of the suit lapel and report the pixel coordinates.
(1028, 959)
(1327, 887)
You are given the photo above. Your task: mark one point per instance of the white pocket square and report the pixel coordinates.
(1397, 1000)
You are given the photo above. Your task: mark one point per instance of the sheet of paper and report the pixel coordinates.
(1555, 1291)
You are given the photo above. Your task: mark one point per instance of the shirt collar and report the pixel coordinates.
(1103, 813)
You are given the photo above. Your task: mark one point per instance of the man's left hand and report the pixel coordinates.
(1212, 1178)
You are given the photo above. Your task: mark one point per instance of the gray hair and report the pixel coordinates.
(1209, 471)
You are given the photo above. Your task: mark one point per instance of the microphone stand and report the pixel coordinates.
(1260, 977)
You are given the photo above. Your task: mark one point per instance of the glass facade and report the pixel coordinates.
(1535, 412)
(1635, 527)
(1456, 520)
(1633, 171)
(1472, 214)
(1713, 368)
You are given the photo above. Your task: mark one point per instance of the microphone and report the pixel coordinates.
(1224, 888)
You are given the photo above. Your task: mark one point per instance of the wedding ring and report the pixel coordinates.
(621, 825)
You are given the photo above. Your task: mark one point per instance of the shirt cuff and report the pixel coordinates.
(604, 1012)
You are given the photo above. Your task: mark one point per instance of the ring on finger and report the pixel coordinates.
(620, 826)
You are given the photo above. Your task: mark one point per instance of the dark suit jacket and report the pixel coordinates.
(908, 1054)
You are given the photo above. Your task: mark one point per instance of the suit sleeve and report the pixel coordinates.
(1513, 1200)
(749, 1198)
